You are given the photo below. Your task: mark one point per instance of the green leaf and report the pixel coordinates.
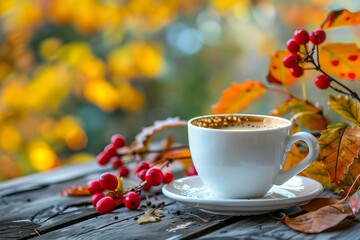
(346, 107)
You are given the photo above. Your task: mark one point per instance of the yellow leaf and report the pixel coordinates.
(238, 96)
(307, 114)
(341, 18)
(278, 73)
(347, 107)
(341, 60)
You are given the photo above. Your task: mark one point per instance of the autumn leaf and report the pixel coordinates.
(281, 110)
(354, 202)
(318, 203)
(319, 220)
(151, 215)
(238, 96)
(143, 138)
(341, 60)
(346, 107)
(316, 170)
(278, 73)
(75, 191)
(341, 18)
(307, 114)
(338, 149)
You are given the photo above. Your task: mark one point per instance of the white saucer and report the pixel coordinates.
(191, 191)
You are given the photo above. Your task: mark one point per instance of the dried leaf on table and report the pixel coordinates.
(346, 107)
(319, 220)
(151, 215)
(354, 202)
(341, 18)
(318, 203)
(76, 190)
(340, 60)
(238, 96)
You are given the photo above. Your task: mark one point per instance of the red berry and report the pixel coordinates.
(141, 166)
(108, 181)
(297, 71)
(94, 187)
(154, 176)
(118, 140)
(116, 162)
(146, 187)
(105, 205)
(318, 36)
(141, 174)
(132, 200)
(110, 150)
(96, 197)
(123, 171)
(292, 46)
(290, 61)
(322, 82)
(103, 158)
(168, 177)
(301, 36)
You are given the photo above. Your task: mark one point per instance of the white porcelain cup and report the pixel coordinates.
(241, 155)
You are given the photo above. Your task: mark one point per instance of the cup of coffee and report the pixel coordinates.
(241, 155)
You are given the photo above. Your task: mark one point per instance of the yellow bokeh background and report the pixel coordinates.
(74, 72)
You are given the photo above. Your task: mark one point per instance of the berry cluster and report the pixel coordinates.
(107, 191)
(299, 53)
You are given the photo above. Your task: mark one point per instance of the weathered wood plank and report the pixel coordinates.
(179, 222)
(267, 227)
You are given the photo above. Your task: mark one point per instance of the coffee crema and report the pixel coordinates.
(239, 122)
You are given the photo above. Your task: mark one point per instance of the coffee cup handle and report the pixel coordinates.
(313, 153)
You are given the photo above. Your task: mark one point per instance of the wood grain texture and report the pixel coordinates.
(31, 207)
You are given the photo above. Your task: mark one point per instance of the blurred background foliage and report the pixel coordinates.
(74, 72)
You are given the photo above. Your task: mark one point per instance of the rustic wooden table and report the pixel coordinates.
(31, 207)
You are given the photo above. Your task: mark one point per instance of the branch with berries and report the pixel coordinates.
(300, 53)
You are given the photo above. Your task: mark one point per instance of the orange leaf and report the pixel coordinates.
(319, 220)
(238, 96)
(307, 114)
(278, 73)
(74, 191)
(341, 18)
(341, 60)
(339, 147)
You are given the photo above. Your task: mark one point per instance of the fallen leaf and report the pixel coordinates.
(238, 96)
(340, 60)
(151, 215)
(341, 18)
(278, 73)
(319, 220)
(318, 203)
(76, 190)
(354, 202)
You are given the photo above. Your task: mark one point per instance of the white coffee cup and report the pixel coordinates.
(241, 155)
